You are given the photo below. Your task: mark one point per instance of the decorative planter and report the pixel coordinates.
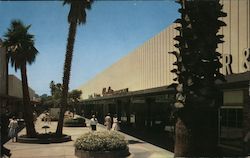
(64, 138)
(74, 125)
(74, 122)
(102, 154)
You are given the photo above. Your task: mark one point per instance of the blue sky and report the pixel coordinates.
(113, 29)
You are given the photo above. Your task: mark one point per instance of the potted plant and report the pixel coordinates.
(101, 144)
(74, 122)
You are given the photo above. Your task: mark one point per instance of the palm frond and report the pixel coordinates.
(19, 44)
(77, 11)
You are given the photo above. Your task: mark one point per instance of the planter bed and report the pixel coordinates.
(74, 122)
(102, 154)
(101, 144)
(74, 125)
(44, 139)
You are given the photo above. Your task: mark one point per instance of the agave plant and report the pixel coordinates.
(198, 67)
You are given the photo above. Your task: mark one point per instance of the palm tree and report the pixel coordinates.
(77, 15)
(197, 70)
(20, 51)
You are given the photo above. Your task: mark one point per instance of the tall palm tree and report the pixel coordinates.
(77, 15)
(20, 51)
(197, 69)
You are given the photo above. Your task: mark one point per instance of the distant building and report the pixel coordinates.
(145, 72)
(15, 88)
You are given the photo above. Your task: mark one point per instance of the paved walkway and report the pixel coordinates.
(137, 148)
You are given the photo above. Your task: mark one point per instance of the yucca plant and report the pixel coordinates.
(197, 70)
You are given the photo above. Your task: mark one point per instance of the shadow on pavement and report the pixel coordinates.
(134, 141)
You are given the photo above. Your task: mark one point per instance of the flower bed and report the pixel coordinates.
(101, 144)
(74, 122)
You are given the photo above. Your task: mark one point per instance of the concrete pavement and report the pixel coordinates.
(137, 147)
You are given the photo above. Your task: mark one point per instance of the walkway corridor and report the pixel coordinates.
(137, 148)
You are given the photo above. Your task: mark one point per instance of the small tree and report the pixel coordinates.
(56, 94)
(52, 87)
(74, 99)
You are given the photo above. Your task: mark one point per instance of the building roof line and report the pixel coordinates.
(242, 78)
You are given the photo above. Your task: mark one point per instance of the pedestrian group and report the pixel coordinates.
(107, 122)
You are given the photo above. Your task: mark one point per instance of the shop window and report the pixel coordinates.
(231, 118)
(132, 118)
(124, 117)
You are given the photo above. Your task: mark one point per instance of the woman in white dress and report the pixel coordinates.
(108, 121)
(13, 129)
(115, 125)
(93, 123)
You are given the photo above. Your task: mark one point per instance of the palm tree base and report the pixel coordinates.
(197, 136)
(46, 138)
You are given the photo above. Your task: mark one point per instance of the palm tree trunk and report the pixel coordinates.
(28, 115)
(196, 132)
(183, 140)
(66, 75)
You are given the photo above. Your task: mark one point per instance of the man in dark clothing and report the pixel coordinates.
(4, 135)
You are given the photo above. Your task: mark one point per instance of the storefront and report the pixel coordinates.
(234, 112)
(146, 73)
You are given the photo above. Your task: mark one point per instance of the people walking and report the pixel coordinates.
(13, 125)
(115, 125)
(108, 122)
(93, 123)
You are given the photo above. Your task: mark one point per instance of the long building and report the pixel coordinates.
(136, 86)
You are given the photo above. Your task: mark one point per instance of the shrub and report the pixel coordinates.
(101, 141)
(78, 122)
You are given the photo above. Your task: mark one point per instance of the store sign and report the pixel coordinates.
(228, 60)
(161, 98)
(110, 91)
(246, 59)
(95, 95)
(138, 100)
(235, 97)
